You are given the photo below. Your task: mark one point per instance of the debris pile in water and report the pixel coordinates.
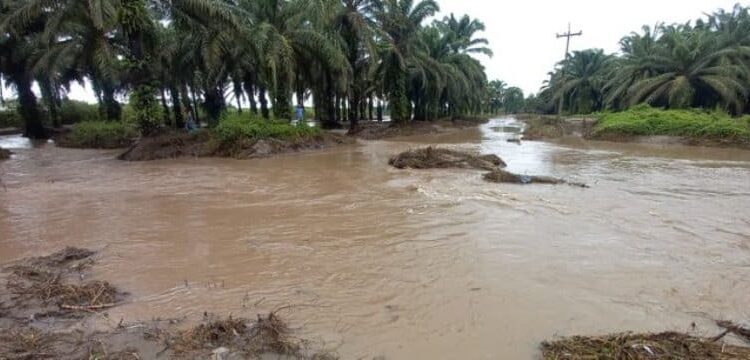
(502, 176)
(5, 154)
(438, 158)
(242, 337)
(668, 345)
(55, 280)
(45, 311)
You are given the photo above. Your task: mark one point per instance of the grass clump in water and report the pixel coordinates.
(100, 135)
(669, 345)
(644, 120)
(234, 128)
(267, 335)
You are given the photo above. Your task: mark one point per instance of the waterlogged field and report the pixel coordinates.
(370, 260)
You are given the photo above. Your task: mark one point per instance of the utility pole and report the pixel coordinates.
(567, 37)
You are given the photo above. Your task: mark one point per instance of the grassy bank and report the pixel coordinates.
(236, 136)
(694, 125)
(100, 135)
(235, 128)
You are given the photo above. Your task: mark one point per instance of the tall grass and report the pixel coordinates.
(235, 127)
(100, 135)
(644, 120)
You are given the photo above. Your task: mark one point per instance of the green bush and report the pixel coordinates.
(10, 119)
(100, 135)
(237, 127)
(72, 112)
(644, 120)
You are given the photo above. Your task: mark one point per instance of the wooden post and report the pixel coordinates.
(567, 37)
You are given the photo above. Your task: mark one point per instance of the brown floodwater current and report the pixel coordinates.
(408, 264)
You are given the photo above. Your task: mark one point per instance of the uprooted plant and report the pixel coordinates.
(51, 281)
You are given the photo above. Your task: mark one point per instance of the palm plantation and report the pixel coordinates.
(703, 64)
(160, 59)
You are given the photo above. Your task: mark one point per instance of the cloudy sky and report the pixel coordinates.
(522, 32)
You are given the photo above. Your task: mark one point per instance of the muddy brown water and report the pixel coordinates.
(404, 264)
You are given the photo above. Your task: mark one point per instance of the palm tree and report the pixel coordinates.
(495, 92)
(691, 68)
(357, 33)
(284, 35)
(460, 35)
(581, 81)
(400, 22)
(634, 65)
(16, 48)
(513, 100)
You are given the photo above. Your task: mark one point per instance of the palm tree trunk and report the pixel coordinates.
(380, 110)
(399, 101)
(263, 102)
(281, 104)
(112, 108)
(179, 121)
(185, 94)
(2, 88)
(48, 95)
(250, 92)
(27, 108)
(195, 107)
(167, 119)
(353, 109)
(214, 103)
(369, 108)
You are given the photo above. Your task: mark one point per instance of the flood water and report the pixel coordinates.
(376, 261)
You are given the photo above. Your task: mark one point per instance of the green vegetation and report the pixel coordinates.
(349, 58)
(234, 128)
(644, 120)
(72, 112)
(69, 112)
(502, 99)
(100, 135)
(10, 119)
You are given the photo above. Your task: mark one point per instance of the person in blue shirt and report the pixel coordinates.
(300, 113)
(190, 125)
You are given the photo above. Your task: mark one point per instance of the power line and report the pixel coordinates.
(567, 35)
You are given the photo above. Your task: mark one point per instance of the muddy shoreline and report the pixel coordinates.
(386, 130)
(50, 307)
(550, 127)
(172, 145)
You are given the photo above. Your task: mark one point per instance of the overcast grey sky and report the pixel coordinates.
(522, 32)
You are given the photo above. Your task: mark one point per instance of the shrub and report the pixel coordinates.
(644, 120)
(72, 112)
(100, 135)
(144, 110)
(237, 127)
(10, 119)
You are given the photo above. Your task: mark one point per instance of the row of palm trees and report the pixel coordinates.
(499, 98)
(346, 57)
(702, 64)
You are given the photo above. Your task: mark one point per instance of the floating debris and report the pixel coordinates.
(439, 158)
